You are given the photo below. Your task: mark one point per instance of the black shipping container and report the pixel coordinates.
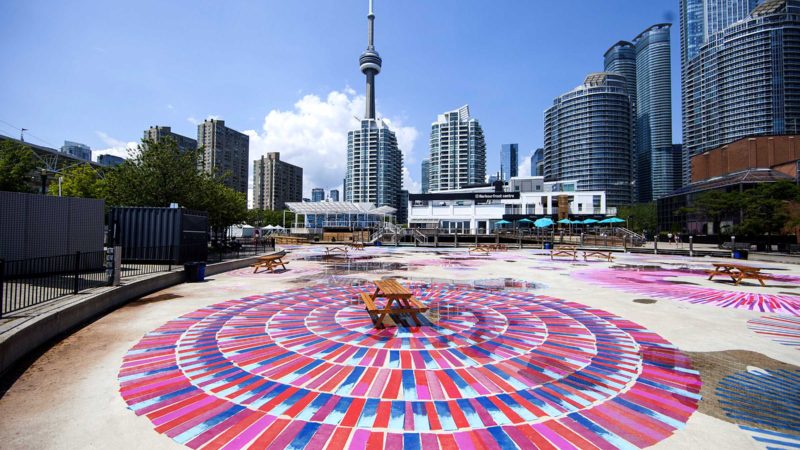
(159, 234)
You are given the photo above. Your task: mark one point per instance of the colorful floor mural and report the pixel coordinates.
(783, 330)
(306, 368)
(290, 272)
(660, 283)
(766, 404)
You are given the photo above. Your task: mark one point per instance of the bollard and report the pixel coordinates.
(455, 240)
(625, 244)
(733, 245)
(655, 245)
(581, 238)
(691, 246)
(436, 238)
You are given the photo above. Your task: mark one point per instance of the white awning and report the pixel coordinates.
(338, 208)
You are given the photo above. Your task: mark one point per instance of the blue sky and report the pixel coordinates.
(101, 72)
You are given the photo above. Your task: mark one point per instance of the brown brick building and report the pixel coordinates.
(779, 153)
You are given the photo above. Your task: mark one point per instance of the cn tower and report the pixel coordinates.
(370, 62)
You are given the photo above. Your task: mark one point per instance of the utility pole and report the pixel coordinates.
(22, 134)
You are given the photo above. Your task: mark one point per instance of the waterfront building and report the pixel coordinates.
(587, 137)
(509, 161)
(226, 153)
(157, 133)
(374, 160)
(477, 209)
(317, 195)
(740, 71)
(78, 150)
(276, 182)
(457, 151)
(426, 174)
(109, 160)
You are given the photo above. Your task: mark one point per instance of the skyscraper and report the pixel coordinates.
(333, 195)
(537, 163)
(156, 133)
(426, 175)
(653, 126)
(109, 160)
(276, 182)
(77, 150)
(587, 137)
(458, 151)
(226, 153)
(317, 195)
(738, 71)
(509, 160)
(374, 161)
(621, 59)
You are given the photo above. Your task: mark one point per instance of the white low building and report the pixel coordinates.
(478, 209)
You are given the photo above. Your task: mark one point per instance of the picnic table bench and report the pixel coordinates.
(270, 262)
(357, 245)
(393, 292)
(329, 251)
(604, 254)
(564, 250)
(481, 248)
(738, 272)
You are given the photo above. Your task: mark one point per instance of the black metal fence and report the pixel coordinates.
(29, 282)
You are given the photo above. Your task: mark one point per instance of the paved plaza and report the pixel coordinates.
(516, 351)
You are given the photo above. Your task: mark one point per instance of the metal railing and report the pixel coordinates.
(29, 282)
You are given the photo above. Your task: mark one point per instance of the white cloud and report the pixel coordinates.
(313, 135)
(169, 106)
(115, 146)
(524, 168)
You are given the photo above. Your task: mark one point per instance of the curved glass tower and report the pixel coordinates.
(743, 77)
(587, 137)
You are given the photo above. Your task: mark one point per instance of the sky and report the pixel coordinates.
(286, 72)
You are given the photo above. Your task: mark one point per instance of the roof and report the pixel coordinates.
(749, 176)
(338, 208)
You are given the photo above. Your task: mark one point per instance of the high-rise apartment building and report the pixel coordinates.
(645, 64)
(276, 182)
(740, 67)
(77, 150)
(318, 195)
(109, 160)
(226, 153)
(537, 163)
(457, 151)
(509, 161)
(374, 161)
(157, 133)
(653, 112)
(425, 168)
(333, 195)
(587, 137)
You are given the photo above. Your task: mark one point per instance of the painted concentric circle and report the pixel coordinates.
(306, 368)
(660, 283)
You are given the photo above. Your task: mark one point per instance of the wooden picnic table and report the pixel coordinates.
(562, 250)
(737, 272)
(481, 248)
(603, 254)
(270, 262)
(331, 250)
(393, 292)
(357, 245)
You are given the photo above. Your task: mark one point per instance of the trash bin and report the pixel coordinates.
(195, 271)
(378, 243)
(548, 245)
(741, 254)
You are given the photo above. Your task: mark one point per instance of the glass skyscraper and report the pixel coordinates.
(426, 175)
(317, 195)
(587, 137)
(509, 161)
(537, 163)
(740, 66)
(458, 151)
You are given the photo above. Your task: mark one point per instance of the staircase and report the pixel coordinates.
(635, 239)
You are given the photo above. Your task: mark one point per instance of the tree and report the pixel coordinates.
(263, 217)
(714, 206)
(17, 161)
(766, 208)
(160, 173)
(640, 216)
(80, 181)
